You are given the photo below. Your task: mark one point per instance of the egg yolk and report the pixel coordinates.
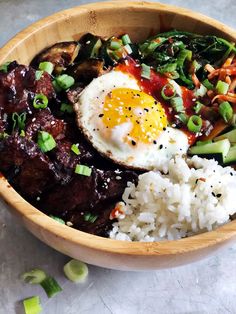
(147, 116)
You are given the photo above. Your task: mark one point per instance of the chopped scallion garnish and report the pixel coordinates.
(197, 108)
(168, 91)
(208, 84)
(46, 66)
(66, 108)
(194, 124)
(226, 111)
(83, 170)
(4, 67)
(90, 217)
(177, 104)
(38, 75)
(65, 81)
(75, 149)
(40, 101)
(61, 221)
(76, 271)
(32, 305)
(18, 120)
(50, 286)
(114, 45)
(222, 87)
(126, 39)
(128, 49)
(146, 71)
(183, 118)
(201, 143)
(46, 141)
(35, 276)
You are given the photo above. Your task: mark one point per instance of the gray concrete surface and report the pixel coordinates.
(208, 286)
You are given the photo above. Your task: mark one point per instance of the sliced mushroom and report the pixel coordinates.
(61, 55)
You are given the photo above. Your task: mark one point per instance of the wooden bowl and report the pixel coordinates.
(140, 20)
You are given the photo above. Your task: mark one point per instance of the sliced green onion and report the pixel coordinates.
(126, 39)
(90, 217)
(66, 108)
(183, 55)
(18, 120)
(75, 149)
(46, 66)
(208, 84)
(61, 221)
(166, 88)
(114, 45)
(194, 124)
(197, 108)
(128, 49)
(177, 104)
(196, 66)
(4, 67)
(38, 75)
(95, 51)
(146, 71)
(3, 135)
(56, 86)
(183, 118)
(76, 271)
(83, 170)
(233, 121)
(32, 305)
(50, 286)
(201, 143)
(46, 141)
(117, 54)
(35, 276)
(40, 101)
(65, 81)
(201, 91)
(222, 87)
(226, 111)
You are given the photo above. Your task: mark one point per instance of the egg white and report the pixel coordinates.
(149, 156)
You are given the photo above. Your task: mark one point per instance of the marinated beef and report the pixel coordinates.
(19, 86)
(35, 170)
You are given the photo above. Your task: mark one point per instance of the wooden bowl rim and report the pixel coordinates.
(29, 214)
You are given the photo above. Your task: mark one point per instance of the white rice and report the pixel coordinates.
(193, 196)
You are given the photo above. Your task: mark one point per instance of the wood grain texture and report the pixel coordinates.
(140, 20)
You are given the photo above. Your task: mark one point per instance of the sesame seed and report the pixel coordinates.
(101, 115)
(133, 142)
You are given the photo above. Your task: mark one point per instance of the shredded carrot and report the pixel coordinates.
(219, 127)
(228, 79)
(209, 68)
(229, 97)
(195, 80)
(210, 93)
(227, 71)
(228, 61)
(222, 74)
(232, 86)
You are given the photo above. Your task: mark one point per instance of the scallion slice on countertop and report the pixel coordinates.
(76, 271)
(177, 104)
(168, 91)
(66, 108)
(48, 283)
(146, 71)
(83, 170)
(32, 305)
(75, 149)
(34, 276)
(46, 66)
(40, 101)
(58, 219)
(222, 87)
(226, 111)
(126, 39)
(194, 124)
(46, 141)
(50, 286)
(65, 81)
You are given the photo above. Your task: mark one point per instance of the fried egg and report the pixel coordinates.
(126, 124)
